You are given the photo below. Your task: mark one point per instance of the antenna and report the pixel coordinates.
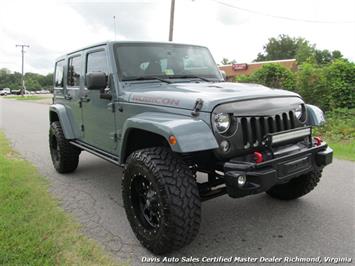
(171, 26)
(114, 27)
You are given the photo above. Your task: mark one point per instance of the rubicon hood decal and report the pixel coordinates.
(184, 95)
(155, 100)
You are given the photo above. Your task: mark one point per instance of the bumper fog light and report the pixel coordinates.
(242, 180)
(225, 145)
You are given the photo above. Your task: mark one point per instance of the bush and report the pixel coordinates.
(339, 126)
(340, 81)
(271, 75)
(329, 87)
(311, 84)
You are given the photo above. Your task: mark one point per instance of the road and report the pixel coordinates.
(320, 224)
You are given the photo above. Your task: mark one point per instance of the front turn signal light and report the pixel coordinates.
(172, 140)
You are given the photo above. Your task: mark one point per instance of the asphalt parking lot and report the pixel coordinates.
(320, 224)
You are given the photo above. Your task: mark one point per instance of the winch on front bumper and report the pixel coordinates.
(287, 161)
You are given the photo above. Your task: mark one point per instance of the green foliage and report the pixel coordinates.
(324, 57)
(271, 75)
(328, 86)
(311, 85)
(286, 47)
(33, 81)
(27, 98)
(339, 132)
(9, 80)
(226, 61)
(339, 126)
(340, 81)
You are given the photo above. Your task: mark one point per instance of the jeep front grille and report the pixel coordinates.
(255, 128)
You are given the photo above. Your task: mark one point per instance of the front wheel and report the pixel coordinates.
(65, 156)
(161, 199)
(297, 187)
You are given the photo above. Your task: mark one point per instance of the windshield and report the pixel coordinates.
(148, 60)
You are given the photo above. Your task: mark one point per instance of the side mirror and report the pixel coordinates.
(223, 73)
(96, 81)
(315, 116)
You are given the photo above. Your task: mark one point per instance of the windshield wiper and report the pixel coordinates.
(148, 78)
(190, 76)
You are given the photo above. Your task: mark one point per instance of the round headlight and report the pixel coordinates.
(222, 122)
(300, 113)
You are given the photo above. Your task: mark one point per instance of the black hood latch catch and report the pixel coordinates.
(197, 107)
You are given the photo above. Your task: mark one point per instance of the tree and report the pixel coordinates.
(311, 84)
(323, 57)
(271, 75)
(226, 61)
(340, 81)
(286, 47)
(34, 81)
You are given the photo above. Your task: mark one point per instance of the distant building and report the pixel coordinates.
(235, 70)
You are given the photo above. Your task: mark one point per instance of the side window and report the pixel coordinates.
(59, 74)
(74, 71)
(96, 62)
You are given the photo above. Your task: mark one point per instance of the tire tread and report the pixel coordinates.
(181, 193)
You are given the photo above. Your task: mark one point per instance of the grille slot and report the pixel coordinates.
(255, 128)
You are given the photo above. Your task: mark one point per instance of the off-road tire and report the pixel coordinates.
(176, 192)
(65, 156)
(297, 187)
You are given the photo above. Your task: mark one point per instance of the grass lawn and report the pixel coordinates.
(34, 230)
(345, 151)
(26, 98)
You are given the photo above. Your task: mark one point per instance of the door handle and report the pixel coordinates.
(68, 97)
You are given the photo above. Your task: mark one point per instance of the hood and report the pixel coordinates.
(184, 95)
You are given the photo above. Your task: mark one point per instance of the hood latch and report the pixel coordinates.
(197, 107)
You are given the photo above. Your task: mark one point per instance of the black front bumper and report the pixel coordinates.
(261, 177)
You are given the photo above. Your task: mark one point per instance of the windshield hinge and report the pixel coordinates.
(113, 108)
(197, 107)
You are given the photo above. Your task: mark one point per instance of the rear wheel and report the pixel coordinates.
(297, 187)
(161, 199)
(65, 157)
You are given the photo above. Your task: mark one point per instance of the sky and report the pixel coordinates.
(235, 29)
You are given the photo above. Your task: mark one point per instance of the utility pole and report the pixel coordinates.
(171, 29)
(23, 60)
(114, 26)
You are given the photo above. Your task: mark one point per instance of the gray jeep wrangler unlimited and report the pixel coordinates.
(164, 113)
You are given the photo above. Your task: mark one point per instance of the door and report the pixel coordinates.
(98, 116)
(72, 93)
